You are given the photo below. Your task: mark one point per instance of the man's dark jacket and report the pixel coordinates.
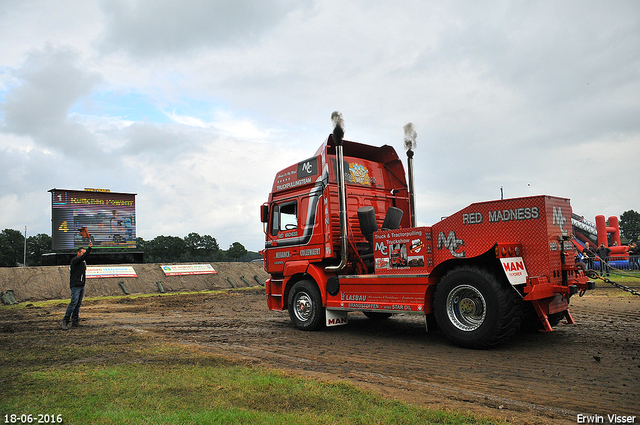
(588, 252)
(77, 275)
(603, 252)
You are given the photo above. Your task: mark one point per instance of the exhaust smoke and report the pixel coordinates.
(410, 136)
(338, 124)
(336, 119)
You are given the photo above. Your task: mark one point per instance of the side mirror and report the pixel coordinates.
(264, 213)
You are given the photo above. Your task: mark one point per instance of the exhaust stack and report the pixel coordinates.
(410, 136)
(338, 133)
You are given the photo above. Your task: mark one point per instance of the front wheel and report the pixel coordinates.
(305, 306)
(476, 309)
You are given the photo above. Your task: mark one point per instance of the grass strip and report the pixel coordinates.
(104, 375)
(197, 388)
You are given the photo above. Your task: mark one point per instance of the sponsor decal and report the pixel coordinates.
(336, 318)
(309, 252)
(326, 212)
(403, 307)
(416, 246)
(347, 297)
(364, 306)
(358, 173)
(515, 270)
(283, 254)
(337, 321)
(401, 249)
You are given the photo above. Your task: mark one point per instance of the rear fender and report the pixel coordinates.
(486, 261)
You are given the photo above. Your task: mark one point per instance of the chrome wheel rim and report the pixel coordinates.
(466, 308)
(303, 306)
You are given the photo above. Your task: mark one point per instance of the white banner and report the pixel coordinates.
(94, 272)
(185, 269)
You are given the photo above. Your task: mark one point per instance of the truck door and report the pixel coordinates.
(295, 231)
(283, 231)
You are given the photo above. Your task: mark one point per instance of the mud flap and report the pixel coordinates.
(336, 317)
(515, 270)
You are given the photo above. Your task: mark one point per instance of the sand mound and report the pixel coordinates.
(52, 282)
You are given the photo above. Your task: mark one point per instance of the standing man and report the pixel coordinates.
(603, 252)
(77, 279)
(634, 252)
(588, 255)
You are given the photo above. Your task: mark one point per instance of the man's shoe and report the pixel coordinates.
(77, 324)
(64, 325)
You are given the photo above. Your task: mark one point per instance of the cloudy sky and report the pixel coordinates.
(195, 105)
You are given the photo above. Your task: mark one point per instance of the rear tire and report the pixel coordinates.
(476, 309)
(305, 306)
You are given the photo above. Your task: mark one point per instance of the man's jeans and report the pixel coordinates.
(77, 293)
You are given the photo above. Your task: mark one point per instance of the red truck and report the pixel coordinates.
(341, 237)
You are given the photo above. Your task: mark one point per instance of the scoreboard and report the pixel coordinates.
(109, 217)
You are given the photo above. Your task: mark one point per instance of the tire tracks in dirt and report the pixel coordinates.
(592, 367)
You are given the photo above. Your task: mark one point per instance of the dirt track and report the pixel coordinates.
(590, 368)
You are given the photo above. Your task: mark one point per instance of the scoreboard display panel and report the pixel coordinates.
(109, 217)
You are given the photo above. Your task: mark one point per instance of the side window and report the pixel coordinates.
(289, 216)
(285, 217)
(275, 220)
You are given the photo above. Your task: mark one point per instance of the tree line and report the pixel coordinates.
(12, 248)
(191, 248)
(161, 249)
(630, 225)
